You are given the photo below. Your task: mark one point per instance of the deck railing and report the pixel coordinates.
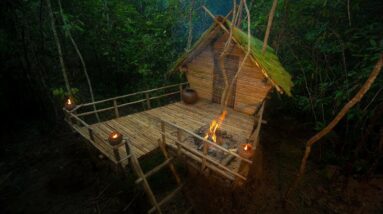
(75, 117)
(201, 157)
(96, 140)
(114, 104)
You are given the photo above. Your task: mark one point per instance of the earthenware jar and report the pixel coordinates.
(189, 96)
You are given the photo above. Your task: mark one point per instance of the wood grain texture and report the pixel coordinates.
(251, 87)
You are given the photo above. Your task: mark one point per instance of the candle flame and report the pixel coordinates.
(247, 147)
(115, 135)
(69, 102)
(214, 126)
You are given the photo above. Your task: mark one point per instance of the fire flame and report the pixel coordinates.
(69, 102)
(214, 126)
(247, 147)
(115, 135)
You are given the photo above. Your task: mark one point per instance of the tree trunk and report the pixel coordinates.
(82, 61)
(57, 41)
(190, 37)
(375, 72)
(269, 23)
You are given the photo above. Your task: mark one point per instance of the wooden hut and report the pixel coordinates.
(205, 63)
(173, 128)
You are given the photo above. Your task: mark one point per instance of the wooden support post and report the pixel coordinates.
(244, 167)
(91, 136)
(163, 132)
(171, 165)
(116, 109)
(254, 138)
(77, 122)
(147, 100)
(179, 138)
(117, 157)
(138, 170)
(205, 150)
(180, 87)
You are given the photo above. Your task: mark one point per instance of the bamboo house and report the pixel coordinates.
(216, 143)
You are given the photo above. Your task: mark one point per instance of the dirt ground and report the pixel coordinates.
(46, 169)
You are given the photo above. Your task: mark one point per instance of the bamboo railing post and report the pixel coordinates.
(163, 131)
(179, 138)
(117, 157)
(116, 108)
(205, 149)
(147, 100)
(180, 87)
(91, 136)
(258, 129)
(77, 122)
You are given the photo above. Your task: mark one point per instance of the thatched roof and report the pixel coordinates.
(268, 62)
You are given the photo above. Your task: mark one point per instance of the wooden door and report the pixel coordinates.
(231, 64)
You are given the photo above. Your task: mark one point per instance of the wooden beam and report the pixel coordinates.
(171, 165)
(154, 170)
(138, 170)
(147, 100)
(167, 198)
(116, 108)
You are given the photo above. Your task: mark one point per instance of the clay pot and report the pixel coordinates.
(189, 96)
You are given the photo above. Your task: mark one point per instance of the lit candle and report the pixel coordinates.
(115, 138)
(246, 150)
(69, 104)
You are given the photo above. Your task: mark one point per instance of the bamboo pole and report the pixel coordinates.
(171, 165)
(116, 109)
(147, 100)
(133, 94)
(138, 170)
(255, 136)
(269, 23)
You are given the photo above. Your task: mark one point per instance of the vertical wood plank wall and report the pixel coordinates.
(251, 86)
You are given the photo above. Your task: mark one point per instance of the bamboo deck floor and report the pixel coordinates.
(143, 128)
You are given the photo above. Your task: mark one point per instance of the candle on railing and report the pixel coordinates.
(246, 150)
(115, 138)
(69, 104)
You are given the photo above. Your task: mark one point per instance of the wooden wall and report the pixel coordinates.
(200, 73)
(251, 85)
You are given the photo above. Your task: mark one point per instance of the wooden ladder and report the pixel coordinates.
(142, 178)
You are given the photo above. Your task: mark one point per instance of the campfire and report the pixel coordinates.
(214, 133)
(214, 126)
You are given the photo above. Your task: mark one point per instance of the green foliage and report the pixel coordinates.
(328, 54)
(62, 94)
(268, 61)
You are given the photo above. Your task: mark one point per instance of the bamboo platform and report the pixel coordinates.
(144, 128)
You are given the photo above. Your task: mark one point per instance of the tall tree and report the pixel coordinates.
(58, 45)
(81, 59)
